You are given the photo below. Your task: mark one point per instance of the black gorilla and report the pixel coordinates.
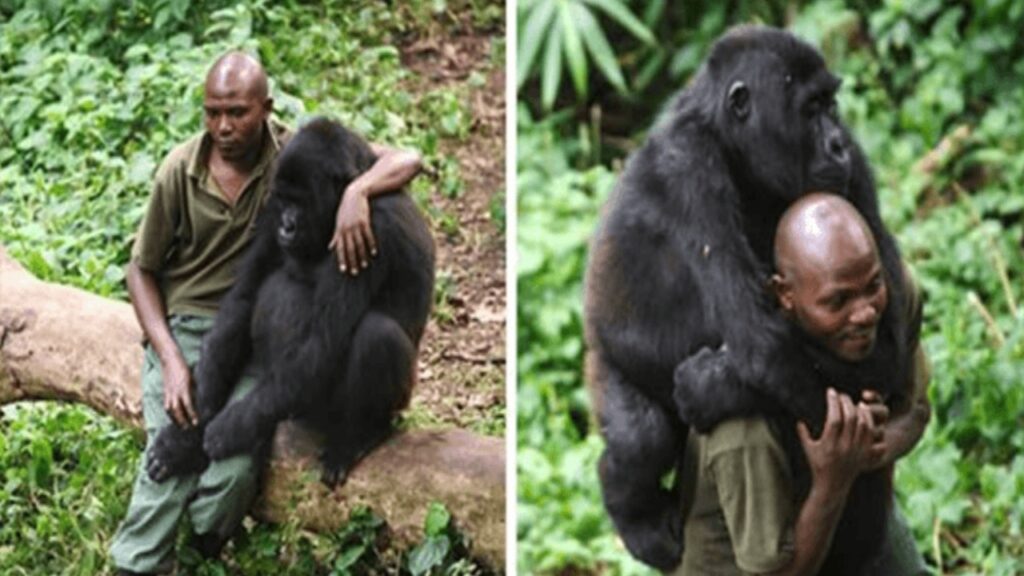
(336, 350)
(679, 325)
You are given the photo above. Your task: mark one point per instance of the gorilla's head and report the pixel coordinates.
(311, 174)
(771, 102)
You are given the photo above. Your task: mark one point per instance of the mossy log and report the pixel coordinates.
(62, 343)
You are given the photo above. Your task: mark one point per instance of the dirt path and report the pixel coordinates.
(462, 363)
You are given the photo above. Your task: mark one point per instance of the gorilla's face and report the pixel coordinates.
(305, 212)
(781, 129)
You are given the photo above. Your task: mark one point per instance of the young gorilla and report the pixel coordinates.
(336, 350)
(679, 328)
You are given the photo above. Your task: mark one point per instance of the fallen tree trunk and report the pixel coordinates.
(62, 343)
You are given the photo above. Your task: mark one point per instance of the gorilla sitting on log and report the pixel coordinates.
(335, 350)
(680, 328)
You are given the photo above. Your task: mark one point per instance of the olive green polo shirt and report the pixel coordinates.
(191, 237)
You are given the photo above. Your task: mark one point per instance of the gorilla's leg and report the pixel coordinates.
(378, 380)
(643, 442)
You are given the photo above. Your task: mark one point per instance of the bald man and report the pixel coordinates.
(205, 199)
(741, 515)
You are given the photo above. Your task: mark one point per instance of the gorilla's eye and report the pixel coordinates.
(739, 99)
(833, 108)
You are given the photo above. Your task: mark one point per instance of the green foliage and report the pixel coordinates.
(443, 549)
(933, 91)
(553, 30)
(92, 112)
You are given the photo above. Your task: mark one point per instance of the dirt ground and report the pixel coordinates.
(462, 358)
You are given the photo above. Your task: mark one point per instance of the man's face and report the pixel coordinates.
(234, 119)
(838, 304)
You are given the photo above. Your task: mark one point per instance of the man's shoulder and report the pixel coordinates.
(178, 161)
(749, 432)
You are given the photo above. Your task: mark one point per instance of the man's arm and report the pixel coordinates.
(836, 459)
(149, 309)
(353, 239)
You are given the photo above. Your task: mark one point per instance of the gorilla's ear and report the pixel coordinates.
(739, 100)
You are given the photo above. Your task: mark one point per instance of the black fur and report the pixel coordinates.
(337, 350)
(680, 326)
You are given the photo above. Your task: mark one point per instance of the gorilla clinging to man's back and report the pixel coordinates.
(680, 328)
(337, 350)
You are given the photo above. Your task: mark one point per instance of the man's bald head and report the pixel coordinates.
(237, 74)
(818, 228)
(829, 278)
(236, 108)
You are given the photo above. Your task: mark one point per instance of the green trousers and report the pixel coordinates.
(216, 500)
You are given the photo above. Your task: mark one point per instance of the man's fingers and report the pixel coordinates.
(177, 415)
(351, 259)
(371, 241)
(849, 412)
(804, 433)
(357, 239)
(833, 415)
(337, 245)
(190, 411)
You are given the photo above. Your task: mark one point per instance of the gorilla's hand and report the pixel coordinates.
(176, 451)
(707, 390)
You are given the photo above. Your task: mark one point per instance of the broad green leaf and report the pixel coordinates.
(437, 520)
(428, 555)
(619, 12)
(598, 46)
(532, 38)
(552, 72)
(574, 55)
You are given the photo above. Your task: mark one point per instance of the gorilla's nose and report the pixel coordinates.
(835, 147)
(288, 226)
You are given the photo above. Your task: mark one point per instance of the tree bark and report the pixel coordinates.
(62, 343)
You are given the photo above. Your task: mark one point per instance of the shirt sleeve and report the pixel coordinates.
(155, 235)
(755, 490)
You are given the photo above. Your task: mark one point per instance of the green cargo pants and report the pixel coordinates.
(216, 500)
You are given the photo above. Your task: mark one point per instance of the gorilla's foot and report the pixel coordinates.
(657, 542)
(231, 432)
(175, 452)
(707, 389)
(338, 459)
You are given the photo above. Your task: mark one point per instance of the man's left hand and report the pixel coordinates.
(353, 240)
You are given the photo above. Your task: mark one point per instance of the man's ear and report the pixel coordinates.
(783, 290)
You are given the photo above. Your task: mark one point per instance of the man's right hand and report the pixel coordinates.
(847, 444)
(178, 393)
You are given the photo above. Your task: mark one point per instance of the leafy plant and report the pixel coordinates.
(557, 30)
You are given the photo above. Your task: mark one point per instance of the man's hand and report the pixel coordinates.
(900, 432)
(353, 240)
(178, 393)
(847, 445)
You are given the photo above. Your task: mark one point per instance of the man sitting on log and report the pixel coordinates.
(204, 203)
